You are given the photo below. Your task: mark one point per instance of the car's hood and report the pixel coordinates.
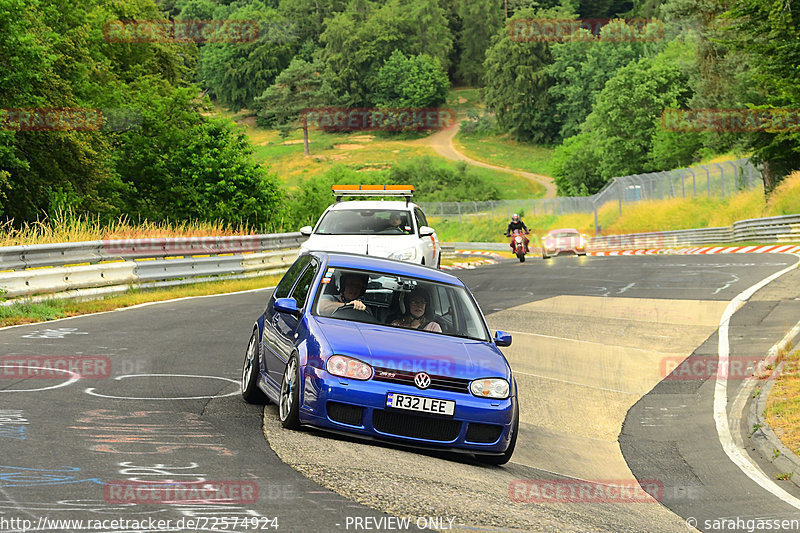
(416, 351)
(375, 245)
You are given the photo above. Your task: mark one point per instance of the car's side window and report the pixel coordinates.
(300, 292)
(421, 220)
(285, 285)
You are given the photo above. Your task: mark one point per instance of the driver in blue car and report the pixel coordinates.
(352, 287)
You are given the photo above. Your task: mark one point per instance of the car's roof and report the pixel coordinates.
(373, 204)
(564, 230)
(388, 266)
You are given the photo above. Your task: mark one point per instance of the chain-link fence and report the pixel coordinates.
(712, 180)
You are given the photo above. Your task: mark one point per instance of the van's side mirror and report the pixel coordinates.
(306, 230)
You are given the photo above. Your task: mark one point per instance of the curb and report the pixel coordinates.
(765, 441)
(769, 249)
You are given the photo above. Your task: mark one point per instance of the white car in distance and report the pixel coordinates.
(396, 229)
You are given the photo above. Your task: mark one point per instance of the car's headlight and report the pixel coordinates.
(490, 388)
(347, 367)
(409, 254)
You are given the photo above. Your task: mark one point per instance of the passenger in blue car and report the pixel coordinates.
(418, 312)
(352, 289)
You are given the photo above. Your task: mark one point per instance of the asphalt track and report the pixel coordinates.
(161, 404)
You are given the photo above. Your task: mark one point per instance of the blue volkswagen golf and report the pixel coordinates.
(383, 349)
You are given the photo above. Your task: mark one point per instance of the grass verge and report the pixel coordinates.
(783, 405)
(28, 312)
(503, 151)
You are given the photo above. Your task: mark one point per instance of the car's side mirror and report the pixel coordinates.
(501, 338)
(426, 231)
(286, 305)
(306, 230)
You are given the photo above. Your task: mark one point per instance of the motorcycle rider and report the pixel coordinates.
(517, 224)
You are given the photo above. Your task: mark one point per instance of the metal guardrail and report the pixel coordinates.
(765, 230)
(101, 267)
(116, 266)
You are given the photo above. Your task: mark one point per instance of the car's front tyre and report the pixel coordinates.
(289, 402)
(250, 391)
(505, 457)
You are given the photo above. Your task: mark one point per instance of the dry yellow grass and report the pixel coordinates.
(783, 405)
(68, 228)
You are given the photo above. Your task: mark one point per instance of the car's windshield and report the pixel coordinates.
(365, 222)
(401, 302)
(564, 234)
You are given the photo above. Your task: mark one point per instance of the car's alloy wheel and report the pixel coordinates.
(250, 391)
(289, 408)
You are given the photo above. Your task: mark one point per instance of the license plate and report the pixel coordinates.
(421, 404)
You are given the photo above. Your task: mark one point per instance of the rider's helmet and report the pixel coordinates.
(515, 218)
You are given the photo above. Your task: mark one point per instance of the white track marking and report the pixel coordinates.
(595, 387)
(734, 453)
(74, 377)
(91, 391)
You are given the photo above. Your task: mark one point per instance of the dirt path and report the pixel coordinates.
(442, 143)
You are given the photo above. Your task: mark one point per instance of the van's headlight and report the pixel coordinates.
(409, 254)
(347, 367)
(490, 388)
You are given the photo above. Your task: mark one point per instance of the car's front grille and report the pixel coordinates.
(484, 433)
(344, 413)
(405, 377)
(419, 427)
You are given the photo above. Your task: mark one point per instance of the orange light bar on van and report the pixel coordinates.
(373, 190)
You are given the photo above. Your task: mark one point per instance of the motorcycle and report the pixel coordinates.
(518, 244)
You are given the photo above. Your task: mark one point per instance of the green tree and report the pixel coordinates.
(518, 81)
(237, 72)
(616, 139)
(309, 16)
(582, 66)
(480, 20)
(301, 86)
(180, 165)
(357, 42)
(416, 81)
(767, 30)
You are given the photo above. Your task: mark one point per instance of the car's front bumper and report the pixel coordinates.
(478, 425)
